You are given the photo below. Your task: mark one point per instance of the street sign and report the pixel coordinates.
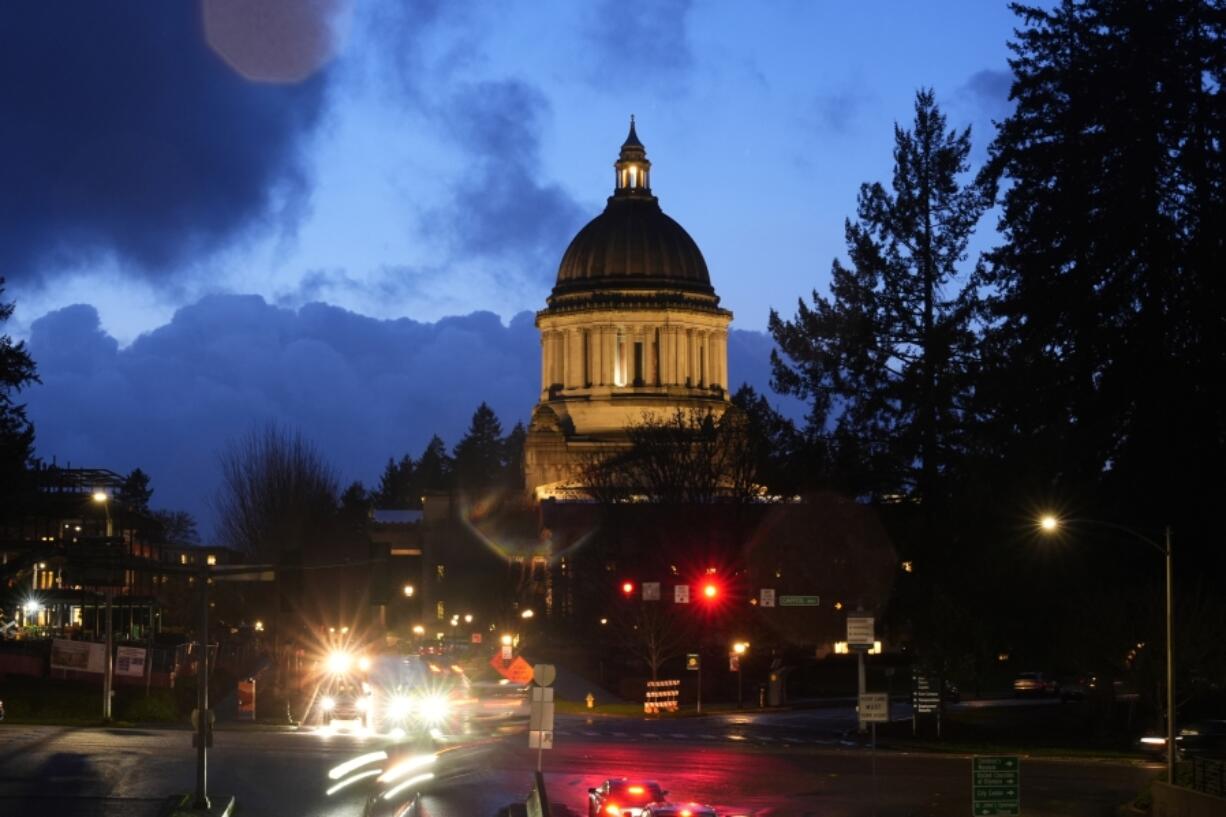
(540, 717)
(799, 601)
(540, 740)
(996, 786)
(476, 638)
(734, 663)
(543, 674)
(681, 594)
(520, 671)
(926, 695)
(860, 631)
(766, 598)
(693, 662)
(874, 707)
(507, 654)
(651, 591)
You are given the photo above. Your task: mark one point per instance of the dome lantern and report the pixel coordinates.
(632, 168)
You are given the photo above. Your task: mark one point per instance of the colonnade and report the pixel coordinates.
(617, 355)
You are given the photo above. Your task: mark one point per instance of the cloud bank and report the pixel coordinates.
(132, 132)
(361, 388)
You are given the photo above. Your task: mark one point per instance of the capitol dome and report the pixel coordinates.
(632, 245)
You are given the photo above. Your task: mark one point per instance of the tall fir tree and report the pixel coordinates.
(435, 468)
(1107, 310)
(17, 370)
(886, 359)
(481, 454)
(397, 489)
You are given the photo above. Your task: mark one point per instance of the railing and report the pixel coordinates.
(1209, 776)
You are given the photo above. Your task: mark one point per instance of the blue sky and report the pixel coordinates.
(409, 163)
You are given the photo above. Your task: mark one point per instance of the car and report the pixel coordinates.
(1202, 739)
(621, 797)
(678, 810)
(1, 710)
(346, 701)
(1034, 683)
(1080, 687)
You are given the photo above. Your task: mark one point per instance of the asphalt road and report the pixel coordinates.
(745, 765)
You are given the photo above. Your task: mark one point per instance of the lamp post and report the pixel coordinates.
(1051, 523)
(103, 498)
(738, 649)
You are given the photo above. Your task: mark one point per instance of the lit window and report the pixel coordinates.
(212, 559)
(182, 558)
(441, 570)
(441, 611)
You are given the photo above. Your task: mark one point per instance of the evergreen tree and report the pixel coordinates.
(887, 357)
(434, 469)
(513, 454)
(355, 505)
(480, 455)
(17, 370)
(397, 489)
(1107, 341)
(135, 491)
(781, 459)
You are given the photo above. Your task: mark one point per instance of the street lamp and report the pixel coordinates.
(104, 499)
(738, 650)
(527, 613)
(409, 591)
(418, 629)
(1050, 523)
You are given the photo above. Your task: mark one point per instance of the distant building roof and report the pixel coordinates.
(385, 517)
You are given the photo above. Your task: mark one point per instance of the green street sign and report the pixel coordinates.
(996, 786)
(799, 601)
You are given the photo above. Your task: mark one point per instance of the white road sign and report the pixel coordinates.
(766, 597)
(651, 591)
(860, 631)
(874, 707)
(681, 594)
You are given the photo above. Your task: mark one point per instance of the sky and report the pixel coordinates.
(340, 215)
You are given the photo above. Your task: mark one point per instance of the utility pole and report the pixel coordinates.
(1170, 664)
(201, 798)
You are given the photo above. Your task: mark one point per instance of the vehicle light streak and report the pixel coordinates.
(412, 781)
(356, 763)
(351, 780)
(401, 769)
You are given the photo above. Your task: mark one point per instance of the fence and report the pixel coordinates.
(661, 696)
(1209, 776)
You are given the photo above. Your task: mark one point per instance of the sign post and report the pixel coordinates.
(996, 786)
(693, 663)
(540, 718)
(860, 638)
(874, 709)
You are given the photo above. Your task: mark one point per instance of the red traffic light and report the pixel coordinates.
(627, 588)
(710, 591)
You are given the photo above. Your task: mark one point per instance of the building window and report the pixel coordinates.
(619, 360)
(587, 356)
(182, 558)
(440, 611)
(440, 571)
(638, 363)
(211, 559)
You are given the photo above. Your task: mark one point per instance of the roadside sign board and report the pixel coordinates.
(540, 740)
(544, 674)
(693, 661)
(996, 787)
(651, 591)
(799, 601)
(681, 594)
(766, 597)
(860, 631)
(926, 694)
(540, 717)
(520, 671)
(874, 707)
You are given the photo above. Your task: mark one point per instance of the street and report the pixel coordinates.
(790, 763)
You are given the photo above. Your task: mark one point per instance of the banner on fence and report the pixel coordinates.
(662, 696)
(82, 656)
(130, 661)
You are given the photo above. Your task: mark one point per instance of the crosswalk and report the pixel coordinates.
(739, 737)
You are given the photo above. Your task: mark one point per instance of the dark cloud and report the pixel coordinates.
(837, 111)
(643, 45)
(989, 90)
(125, 133)
(362, 389)
(502, 208)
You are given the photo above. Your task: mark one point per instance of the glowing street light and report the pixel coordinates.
(1050, 523)
(468, 618)
(418, 629)
(505, 640)
(527, 613)
(739, 649)
(409, 590)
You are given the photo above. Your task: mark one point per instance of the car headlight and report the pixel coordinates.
(339, 662)
(363, 704)
(433, 708)
(328, 703)
(399, 706)
(363, 663)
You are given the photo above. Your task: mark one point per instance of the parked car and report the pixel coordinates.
(1202, 739)
(1035, 683)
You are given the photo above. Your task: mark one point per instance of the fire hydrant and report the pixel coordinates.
(591, 701)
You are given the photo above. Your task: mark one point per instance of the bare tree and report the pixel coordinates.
(277, 494)
(687, 457)
(653, 632)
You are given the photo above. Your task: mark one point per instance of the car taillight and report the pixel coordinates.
(613, 809)
(685, 812)
(635, 789)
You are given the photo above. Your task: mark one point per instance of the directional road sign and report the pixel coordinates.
(799, 601)
(651, 591)
(860, 631)
(996, 787)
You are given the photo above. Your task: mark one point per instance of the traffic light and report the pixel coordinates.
(627, 589)
(710, 590)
